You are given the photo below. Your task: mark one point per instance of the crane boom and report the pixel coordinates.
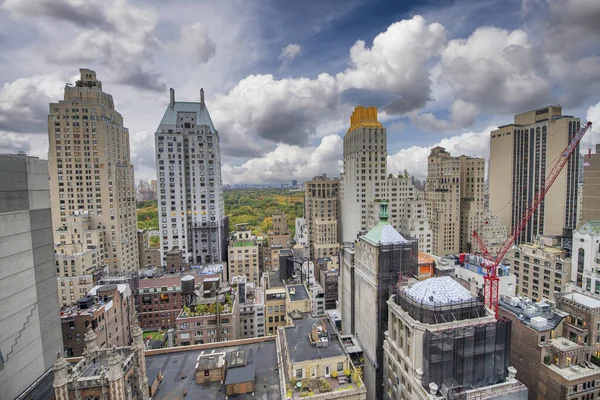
(481, 244)
(491, 280)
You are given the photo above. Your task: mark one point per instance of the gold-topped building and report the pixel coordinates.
(364, 117)
(364, 173)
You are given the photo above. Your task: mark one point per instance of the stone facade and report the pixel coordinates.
(116, 373)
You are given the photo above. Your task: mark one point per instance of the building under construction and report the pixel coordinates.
(460, 351)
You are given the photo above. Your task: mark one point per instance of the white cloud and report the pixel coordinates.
(290, 52)
(496, 69)
(462, 114)
(195, 39)
(24, 102)
(414, 159)
(592, 137)
(396, 63)
(289, 162)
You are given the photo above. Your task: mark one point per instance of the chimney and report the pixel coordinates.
(201, 97)
(172, 102)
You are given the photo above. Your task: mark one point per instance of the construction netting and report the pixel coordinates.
(466, 357)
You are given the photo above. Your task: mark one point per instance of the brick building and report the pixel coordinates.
(108, 310)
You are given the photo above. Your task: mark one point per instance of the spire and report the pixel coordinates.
(201, 97)
(61, 371)
(383, 212)
(90, 337)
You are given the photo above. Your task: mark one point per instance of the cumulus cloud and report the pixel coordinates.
(24, 102)
(462, 114)
(13, 143)
(113, 33)
(280, 111)
(396, 63)
(195, 39)
(496, 69)
(288, 53)
(289, 162)
(414, 159)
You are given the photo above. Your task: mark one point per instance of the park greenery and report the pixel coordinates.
(243, 206)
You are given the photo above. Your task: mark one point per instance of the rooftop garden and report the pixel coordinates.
(307, 387)
(208, 309)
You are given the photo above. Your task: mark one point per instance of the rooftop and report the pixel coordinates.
(262, 355)
(438, 291)
(384, 233)
(527, 310)
(300, 293)
(275, 280)
(169, 120)
(590, 227)
(582, 299)
(298, 343)
(244, 243)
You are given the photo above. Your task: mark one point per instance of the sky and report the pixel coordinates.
(281, 78)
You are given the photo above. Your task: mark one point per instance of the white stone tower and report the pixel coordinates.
(190, 190)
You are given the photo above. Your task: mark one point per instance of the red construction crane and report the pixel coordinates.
(491, 280)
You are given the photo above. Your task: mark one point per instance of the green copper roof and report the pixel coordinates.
(383, 232)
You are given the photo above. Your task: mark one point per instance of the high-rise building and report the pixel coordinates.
(414, 222)
(90, 168)
(584, 264)
(321, 210)
(591, 187)
(455, 200)
(364, 173)
(29, 313)
(521, 156)
(190, 199)
(280, 226)
(369, 272)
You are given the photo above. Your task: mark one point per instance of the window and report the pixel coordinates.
(340, 367)
(299, 373)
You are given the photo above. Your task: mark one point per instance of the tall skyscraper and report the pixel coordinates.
(454, 194)
(521, 154)
(90, 169)
(29, 315)
(364, 174)
(321, 209)
(190, 199)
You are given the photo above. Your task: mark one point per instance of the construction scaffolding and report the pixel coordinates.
(466, 357)
(439, 313)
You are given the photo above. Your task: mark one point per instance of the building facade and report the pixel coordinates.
(112, 373)
(590, 203)
(190, 189)
(521, 156)
(149, 257)
(414, 223)
(379, 258)
(585, 263)
(252, 307)
(90, 168)
(364, 171)
(493, 234)
(321, 210)
(244, 254)
(454, 194)
(542, 268)
(109, 310)
(552, 347)
(30, 334)
(442, 343)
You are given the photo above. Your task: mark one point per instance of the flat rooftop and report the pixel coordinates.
(275, 280)
(298, 343)
(263, 356)
(552, 319)
(301, 293)
(584, 300)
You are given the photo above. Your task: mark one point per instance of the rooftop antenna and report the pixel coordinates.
(201, 97)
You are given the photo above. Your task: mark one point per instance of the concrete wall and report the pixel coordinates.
(30, 331)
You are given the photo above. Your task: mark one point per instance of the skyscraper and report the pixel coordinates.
(521, 155)
(29, 315)
(190, 199)
(364, 174)
(454, 195)
(321, 209)
(90, 168)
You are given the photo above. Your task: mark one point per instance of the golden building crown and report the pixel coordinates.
(363, 117)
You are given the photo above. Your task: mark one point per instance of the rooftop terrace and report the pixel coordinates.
(299, 291)
(298, 343)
